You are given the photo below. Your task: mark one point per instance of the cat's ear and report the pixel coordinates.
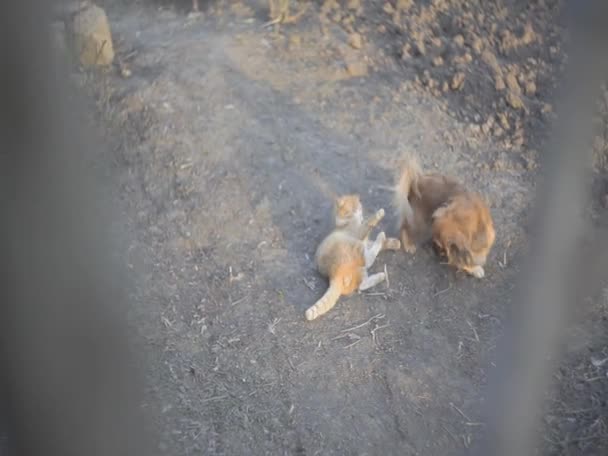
(339, 202)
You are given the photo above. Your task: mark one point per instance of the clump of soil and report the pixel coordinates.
(497, 64)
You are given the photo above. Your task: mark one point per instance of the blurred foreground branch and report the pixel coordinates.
(559, 266)
(69, 387)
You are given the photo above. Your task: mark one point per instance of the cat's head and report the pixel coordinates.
(348, 209)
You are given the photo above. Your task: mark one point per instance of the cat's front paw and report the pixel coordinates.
(380, 214)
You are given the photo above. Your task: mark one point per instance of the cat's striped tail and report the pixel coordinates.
(327, 301)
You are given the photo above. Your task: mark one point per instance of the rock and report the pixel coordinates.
(477, 46)
(436, 42)
(406, 51)
(356, 69)
(459, 40)
(355, 40)
(490, 59)
(91, 36)
(438, 61)
(487, 126)
(530, 88)
(512, 84)
(499, 83)
(514, 100)
(529, 36)
(457, 81)
(404, 5)
(353, 5)
(420, 47)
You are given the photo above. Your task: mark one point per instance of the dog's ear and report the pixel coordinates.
(458, 249)
(480, 239)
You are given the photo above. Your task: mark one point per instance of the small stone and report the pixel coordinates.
(125, 71)
(499, 83)
(504, 121)
(353, 5)
(355, 40)
(457, 81)
(388, 8)
(438, 61)
(348, 22)
(406, 51)
(514, 100)
(512, 84)
(356, 69)
(420, 47)
(436, 42)
(529, 36)
(459, 40)
(530, 88)
(92, 38)
(487, 126)
(404, 5)
(477, 46)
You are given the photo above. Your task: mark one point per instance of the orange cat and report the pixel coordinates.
(345, 254)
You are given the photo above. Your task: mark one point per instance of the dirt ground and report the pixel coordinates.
(228, 141)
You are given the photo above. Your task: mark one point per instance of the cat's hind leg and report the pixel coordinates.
(372, 249)
(371, 281)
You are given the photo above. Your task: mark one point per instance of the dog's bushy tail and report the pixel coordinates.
(406, 184)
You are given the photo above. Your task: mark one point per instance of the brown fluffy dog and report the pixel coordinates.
(458, 220)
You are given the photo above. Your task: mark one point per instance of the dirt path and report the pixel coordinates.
(235, 140)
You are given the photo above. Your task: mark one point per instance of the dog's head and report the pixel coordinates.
(463, 230)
